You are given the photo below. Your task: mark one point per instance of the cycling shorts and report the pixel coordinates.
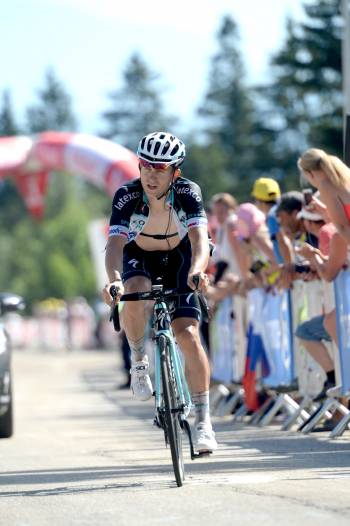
(171, 265)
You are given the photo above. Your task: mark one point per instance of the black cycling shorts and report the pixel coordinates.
(171, 265)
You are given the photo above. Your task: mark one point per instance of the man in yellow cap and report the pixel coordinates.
(266, 192)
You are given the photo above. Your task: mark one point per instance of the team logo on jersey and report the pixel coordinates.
(122, 201)
(188, 190)
(188, 299)
(133, 262)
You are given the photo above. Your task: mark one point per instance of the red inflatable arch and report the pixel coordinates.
(29, 161)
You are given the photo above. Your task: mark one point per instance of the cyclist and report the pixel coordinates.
(158, 227)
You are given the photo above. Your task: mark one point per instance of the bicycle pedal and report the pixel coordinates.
(157, 423)
(201, 454)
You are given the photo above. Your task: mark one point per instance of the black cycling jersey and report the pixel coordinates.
(130, 208)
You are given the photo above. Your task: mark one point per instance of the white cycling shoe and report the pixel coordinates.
(336, 392)
(141, 384)
(204, 438)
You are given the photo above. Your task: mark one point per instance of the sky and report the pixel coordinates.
(89, 42)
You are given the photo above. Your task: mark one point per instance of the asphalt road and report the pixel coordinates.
(85, 453)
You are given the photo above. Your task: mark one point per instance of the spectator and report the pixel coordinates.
(223, 207)
(327, 260)
(266, 193)
(256, 243)
(252, 230)
(287, 212)
(331, 177)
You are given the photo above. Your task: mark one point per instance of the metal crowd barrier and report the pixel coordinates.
(275, 316)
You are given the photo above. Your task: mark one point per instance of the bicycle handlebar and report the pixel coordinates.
(154, 295)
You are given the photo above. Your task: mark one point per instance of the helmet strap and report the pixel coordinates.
(170, 187)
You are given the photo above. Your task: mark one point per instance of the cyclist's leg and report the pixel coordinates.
(186, 331)
(197, 365)
(135, 279)
(135, 316)
(134, 319)
(185, 316)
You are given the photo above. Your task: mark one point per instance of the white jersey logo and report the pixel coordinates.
(133, 262)
(188, 299)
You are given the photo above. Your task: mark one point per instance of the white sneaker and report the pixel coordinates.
(336, 392)
(141, 384)
(204, 438)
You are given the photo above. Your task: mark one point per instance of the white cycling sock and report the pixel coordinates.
(201, 406)
(137, 349)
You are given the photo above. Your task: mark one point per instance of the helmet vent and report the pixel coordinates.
(165, 148)
(156, 147)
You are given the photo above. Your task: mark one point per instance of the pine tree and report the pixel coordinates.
(305, 98)
(207, 166)
(10, 201)
(8, 125)
(53, 110)
(228, 109)
(137, 107)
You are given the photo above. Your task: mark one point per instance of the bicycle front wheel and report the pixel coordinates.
(172, 415)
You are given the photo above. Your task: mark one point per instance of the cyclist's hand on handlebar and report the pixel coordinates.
(107, 296)
(198, 280)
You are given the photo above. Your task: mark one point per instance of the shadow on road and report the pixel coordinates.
(243, 450)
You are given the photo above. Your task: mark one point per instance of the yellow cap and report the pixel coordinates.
(266, 189)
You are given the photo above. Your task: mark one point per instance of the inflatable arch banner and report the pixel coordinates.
(29, 160)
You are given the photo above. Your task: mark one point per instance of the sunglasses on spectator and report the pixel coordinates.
(155, 166)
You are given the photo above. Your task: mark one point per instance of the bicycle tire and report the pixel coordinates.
(172, 422)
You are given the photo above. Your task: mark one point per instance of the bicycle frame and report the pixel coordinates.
(162, 326)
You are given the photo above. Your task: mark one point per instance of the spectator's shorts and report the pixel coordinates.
(171, 265)
(313, 330)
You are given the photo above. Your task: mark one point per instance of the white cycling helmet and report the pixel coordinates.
(161, 147)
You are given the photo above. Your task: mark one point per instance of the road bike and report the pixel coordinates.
(172, 396)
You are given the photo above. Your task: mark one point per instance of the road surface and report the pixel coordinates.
(84, 453)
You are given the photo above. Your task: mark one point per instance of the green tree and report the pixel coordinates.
(10, 200)
(227, 110)
(53, 110)
(304, 99)
(50, 258)
(8, 124)
(137, 106)
(207, 166)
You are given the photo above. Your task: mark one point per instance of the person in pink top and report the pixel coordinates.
(331, 177)
(327, 260)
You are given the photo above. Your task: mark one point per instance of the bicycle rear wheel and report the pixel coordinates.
(172, 416)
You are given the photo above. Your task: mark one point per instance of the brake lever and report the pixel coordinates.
(203, 305)
(114, 313)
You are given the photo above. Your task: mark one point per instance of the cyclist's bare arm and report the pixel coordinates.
(114, 265)
(200, 256)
